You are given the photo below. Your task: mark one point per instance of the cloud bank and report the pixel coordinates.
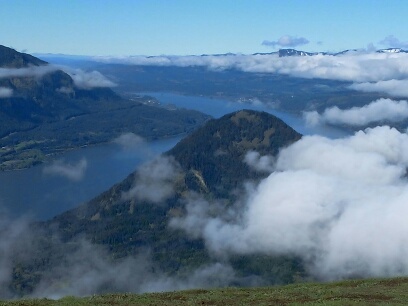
(376, 111)
(73, 172)
(369, 71)
(338, 204)
(395, 88)
(351, 66)
(5, 92)
(286, 41)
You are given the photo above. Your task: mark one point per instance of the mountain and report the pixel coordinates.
(44, 110)
(392, 50)
(10, 58)
(208, 165)
(293, 52)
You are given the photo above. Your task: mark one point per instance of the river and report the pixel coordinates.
(41, 194)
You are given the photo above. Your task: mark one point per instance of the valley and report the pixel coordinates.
(238, 197)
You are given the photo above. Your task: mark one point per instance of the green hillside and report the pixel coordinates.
(208, 164)
(391, 291)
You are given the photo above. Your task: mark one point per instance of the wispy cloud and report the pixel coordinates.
(15, 239)
(33, 71)
(5, 92)
(85, 268)
(90, 270)
(259, 163)
(88, 79)
(73, 172)
(82, 79)
(393, 42)
(334, 203)
(155, 180)
(286, 41)
(130, 141)
(376, 111)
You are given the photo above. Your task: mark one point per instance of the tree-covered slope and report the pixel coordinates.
(134, 216)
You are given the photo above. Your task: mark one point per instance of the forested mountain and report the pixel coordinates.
(134, 215)
(44, 110)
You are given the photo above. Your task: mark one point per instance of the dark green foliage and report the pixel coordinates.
(130, 226)
(217, 150)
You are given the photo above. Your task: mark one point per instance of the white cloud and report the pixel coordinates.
(73, 172)
(155, 180)
(82, 79)
(379, 110)
(341, 205)
(352, 66)
(129, 141)
(395, 88)
(5, 92)
(259, 163)
(286, 41)
(88, 79)
(33, 71)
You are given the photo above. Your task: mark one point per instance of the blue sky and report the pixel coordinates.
(181, 27)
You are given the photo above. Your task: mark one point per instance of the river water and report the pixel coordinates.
(41, 194)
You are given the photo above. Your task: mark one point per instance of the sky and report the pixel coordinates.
(185, 27)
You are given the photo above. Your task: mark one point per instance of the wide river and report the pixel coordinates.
(41, 194)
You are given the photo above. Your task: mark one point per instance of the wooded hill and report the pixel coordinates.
(209, 164)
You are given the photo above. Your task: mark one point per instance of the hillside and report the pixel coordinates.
(133, 217)
(354, 292)
(45, 110)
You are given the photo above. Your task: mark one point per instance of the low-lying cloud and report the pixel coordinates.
(73, 172)
(395, 88)
(259, 163)
(130, 141)
(351, 66)
(82, 79)
(90, 270)
(88, 79)
(340, 204)
(366, 69)
(376, 111)
(86, 269)
(32, 71)
(155, 180)
(5, 92)
(286, 41)
(15, 240)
